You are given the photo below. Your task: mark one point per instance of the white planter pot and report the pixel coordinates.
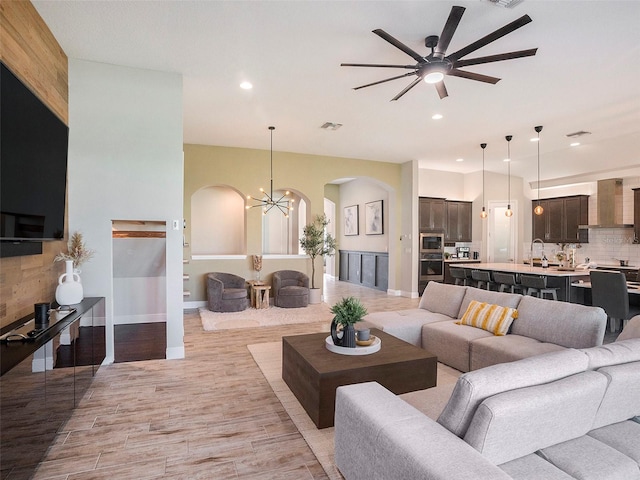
(69, 290)
(314, 295)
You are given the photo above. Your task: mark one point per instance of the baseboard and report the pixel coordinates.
(135, 319)
(395, 293)
(409, 294)
(194, 305)
(175, 353)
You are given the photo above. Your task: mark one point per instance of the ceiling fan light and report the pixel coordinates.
(434, 77)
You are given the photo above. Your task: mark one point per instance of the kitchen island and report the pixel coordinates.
(556, 277)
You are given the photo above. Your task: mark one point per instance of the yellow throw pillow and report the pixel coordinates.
(492, 318)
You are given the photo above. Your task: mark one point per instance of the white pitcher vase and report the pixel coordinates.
(69, 289)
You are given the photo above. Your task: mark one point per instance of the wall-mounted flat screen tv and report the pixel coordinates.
(33, 164)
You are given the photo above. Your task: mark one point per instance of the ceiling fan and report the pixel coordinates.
(435, 66)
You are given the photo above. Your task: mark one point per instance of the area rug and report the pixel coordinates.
(272, 316)
(268, 356)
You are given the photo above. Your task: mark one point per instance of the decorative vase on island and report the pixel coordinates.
(69, 289)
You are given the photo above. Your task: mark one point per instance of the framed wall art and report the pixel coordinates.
(351, 220)
(373, 218)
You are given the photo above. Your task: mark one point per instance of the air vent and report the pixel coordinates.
(578, 134)
(505, 3)
(331, 126)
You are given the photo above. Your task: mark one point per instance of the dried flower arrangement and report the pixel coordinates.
(257, 262)
(77, 251)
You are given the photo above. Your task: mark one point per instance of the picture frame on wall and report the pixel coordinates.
(373, 218)
(351, 220)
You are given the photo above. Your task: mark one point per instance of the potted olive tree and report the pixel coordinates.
(316, 242)
(348, 312)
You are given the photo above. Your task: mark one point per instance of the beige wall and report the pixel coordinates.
(246, 170)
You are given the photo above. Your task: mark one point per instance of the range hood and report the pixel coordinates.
(609, 205)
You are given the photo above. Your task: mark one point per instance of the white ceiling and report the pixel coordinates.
(585, 76)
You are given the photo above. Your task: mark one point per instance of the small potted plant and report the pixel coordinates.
(348, 312)
(317, 243)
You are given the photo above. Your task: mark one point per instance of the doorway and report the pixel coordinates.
(502, 234)
(139, 290)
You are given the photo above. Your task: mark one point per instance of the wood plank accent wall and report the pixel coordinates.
(30, 50)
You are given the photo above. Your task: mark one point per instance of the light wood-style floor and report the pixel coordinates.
(211, 415)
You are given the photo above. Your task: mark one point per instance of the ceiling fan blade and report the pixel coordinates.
(448, 31)
(385, 80)
(501, 32)
(454, 72)
(442, 90)
(398, 44)
(495, 58)
(409, 87)
(376, 65)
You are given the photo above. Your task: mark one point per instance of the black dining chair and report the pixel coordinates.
(609, 291)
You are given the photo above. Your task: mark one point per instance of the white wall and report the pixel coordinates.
(126, 163)
(359, 192)
(217, 222)
(437, 184)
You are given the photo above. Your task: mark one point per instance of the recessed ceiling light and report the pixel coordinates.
(507, 160)
(437, 116)
(459, 159)
(574, 144)
(534, 139)
(246, 86)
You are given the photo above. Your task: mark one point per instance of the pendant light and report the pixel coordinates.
(483, 213)
(283, 203)
(538, 210)
(508, 212)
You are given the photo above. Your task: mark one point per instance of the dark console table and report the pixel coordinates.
(43, 380)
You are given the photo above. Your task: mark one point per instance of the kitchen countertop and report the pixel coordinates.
(521, 268)
(461, 260)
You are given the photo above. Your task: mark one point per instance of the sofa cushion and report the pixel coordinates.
(623, 436)
(405, 324)
(589, 459)
(489, 317)
(512, 424)
(613, 353)
(622, 399)
(450, 342)
(442, 298)
(474, 387)
(491, 350)
(511, 300)
(533, 467)
(389, 439)
(567, 324)
(293, 290)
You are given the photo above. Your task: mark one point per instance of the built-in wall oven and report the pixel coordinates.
(431, 257)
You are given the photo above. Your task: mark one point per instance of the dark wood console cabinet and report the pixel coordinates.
(369, 269)
(43, 380)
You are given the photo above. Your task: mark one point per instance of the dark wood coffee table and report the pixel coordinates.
(313, 373)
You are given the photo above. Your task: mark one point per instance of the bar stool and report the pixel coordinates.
(470, 281)
(507, 281)
(459, 274)
(483, 277)
(536, 285)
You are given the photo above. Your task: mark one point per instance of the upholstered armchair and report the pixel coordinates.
(226, 292)
(290, 289)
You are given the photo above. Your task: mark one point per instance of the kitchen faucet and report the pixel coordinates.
(535, 240)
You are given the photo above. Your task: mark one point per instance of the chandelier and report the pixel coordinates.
(268, 201)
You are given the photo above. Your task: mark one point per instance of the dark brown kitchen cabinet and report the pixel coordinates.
(432, 214)
(560, 220)
(636, 212)
(458, 228)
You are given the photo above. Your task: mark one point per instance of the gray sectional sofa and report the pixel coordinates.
(542, 326)
(567, 414)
